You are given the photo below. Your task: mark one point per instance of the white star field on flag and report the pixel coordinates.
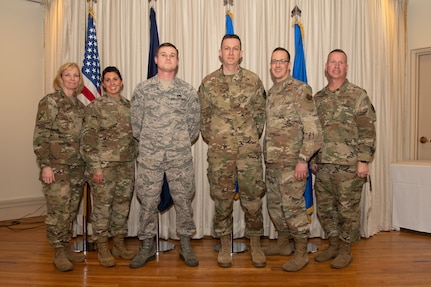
(91, 67)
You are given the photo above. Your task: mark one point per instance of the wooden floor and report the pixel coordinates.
(387, 259)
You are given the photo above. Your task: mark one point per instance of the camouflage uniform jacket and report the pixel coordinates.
(292, 127)
(57, 129)
(165, 122)
(233, 111)
(347, 117)
(106, 134)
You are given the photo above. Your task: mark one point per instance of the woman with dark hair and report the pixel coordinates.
(56, 145)
(109, 149)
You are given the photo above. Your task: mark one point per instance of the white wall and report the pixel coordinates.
(21, 78)
(418, 24)
(418, 37)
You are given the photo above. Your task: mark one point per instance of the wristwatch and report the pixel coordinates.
(302, 159)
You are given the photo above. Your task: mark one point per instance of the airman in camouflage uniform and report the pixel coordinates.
(233, 116)
(292, 135)
(349, 136)
(56, 145)
(109, 149)
(166, 121)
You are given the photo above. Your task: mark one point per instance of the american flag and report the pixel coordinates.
(91, 64)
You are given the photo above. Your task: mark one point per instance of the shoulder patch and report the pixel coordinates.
(309, 97)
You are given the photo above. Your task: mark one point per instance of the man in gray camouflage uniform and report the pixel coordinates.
(292, 135)
(348, 120)
(233, 116)
(56, 145)
(109, 149)
(166, 120)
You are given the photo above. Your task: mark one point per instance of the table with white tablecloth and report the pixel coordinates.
(411, 195)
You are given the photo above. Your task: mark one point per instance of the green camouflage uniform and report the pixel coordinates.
(165, 122)
(107, 145)
(233, 117)
(347, 117)
(292, 131)
(56, 144)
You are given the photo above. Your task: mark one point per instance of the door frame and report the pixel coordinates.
(414, 109)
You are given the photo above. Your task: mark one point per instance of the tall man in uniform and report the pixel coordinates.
(233, 116)
(293, 134)
(348, 120)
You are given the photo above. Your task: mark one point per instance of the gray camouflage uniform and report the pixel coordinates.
(292, 131)
(56, 144)
(233, 117)
(347, 117)
(107, 145)
(166, 123)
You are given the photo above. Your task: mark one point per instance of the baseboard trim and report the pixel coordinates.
(22, 208)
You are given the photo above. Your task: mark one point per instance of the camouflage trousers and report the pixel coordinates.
(338, 195)
(285, 200)
(223, 173)
(111, 199)
(62, 201)
(149, 182)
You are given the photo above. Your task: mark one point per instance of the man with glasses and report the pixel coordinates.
(293, 134)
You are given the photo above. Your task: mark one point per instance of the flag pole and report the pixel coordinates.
(300, 73)
(86, 244)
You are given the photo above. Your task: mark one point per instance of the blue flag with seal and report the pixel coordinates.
(300, 73)
(165, 196)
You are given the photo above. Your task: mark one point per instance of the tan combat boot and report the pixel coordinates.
(74, 257)
(186, 252)
(329, 253)
(103, 254)
(120, 250)
(300, 256)
(60, 259)
(257, 255)
(224, 258)
(344, 257)
(282, 247)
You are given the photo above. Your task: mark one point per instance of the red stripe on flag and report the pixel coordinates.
(88, 94)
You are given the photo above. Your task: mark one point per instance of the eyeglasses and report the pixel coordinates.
(282, 61)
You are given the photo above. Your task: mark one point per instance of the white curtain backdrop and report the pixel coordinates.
(371, 32)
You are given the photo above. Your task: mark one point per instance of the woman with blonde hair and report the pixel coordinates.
(56, 145)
